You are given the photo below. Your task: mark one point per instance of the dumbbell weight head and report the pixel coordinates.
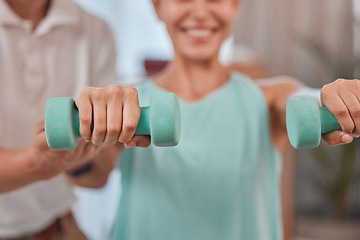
(165, 121)
(62, 124)
(303, 122)
(306, 122)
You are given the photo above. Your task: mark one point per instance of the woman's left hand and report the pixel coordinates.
(342, 99)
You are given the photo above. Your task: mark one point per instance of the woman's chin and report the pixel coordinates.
(200, 56)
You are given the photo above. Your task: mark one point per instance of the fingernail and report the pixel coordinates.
(87, 139)
(130, 144)
(346, 138)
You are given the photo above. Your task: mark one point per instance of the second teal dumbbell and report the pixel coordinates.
(160, 120)
(306, 122)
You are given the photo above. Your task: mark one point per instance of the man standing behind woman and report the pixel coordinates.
(48, 48)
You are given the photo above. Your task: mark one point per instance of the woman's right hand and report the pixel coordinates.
(115, 113)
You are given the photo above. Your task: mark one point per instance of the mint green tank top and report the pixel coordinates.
(220, 183)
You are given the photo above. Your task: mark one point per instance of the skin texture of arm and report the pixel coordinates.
(14, 171)
(102, 165)
(18, 168)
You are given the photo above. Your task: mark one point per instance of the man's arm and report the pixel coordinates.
(20, 167)
(94, 174)
(16, 170)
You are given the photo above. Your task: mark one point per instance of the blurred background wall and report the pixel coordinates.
(282, 32)
(316, 41)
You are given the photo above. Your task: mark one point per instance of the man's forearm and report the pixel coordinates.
(15, 171)
(95, 173)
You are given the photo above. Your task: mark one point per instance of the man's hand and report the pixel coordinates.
(46, 163)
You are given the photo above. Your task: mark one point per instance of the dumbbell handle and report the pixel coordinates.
(328, 121)
(160, 120)
(143, 127)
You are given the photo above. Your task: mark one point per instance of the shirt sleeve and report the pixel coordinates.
(103, 72)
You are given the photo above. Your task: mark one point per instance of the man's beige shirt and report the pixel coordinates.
(69, 50)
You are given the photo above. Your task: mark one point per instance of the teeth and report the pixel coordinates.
(199, 32)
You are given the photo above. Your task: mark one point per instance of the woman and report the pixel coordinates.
(222, 180)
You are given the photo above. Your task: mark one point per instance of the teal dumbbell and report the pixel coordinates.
(160, 120)
(306, 122)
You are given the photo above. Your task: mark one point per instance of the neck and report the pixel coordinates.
(32, 10)
(192, 80)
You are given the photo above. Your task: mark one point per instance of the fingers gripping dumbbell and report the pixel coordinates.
(306, 122)
(160, 120)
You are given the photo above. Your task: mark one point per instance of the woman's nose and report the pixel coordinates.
(200, 9)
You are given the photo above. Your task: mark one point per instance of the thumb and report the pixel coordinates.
(138, 141)
(337, 138)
